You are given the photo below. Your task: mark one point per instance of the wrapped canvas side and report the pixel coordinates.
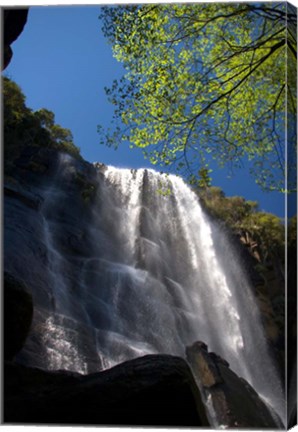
(291, 218)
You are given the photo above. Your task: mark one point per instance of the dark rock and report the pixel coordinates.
(30, 200)
(36, 162)
(234, 401)
(155, 390)
(218, 359)
(100, 166)
(14, 21)
(199, 345)
(44, 210)
(18, 313)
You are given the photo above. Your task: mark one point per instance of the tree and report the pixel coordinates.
(233, 211)
(242, 216)
(46, 118)
(204, 178)
(292, 232)
(24, 127)
(14, 107)
(62, 138)
(17, 120)
(205, 81)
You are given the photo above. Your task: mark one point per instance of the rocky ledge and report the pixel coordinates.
(151, 390)
(154, 390)
(232, 399)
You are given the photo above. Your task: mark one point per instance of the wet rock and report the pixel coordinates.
(18, 313)
(30, 200)
(204, 365)
(43, 213)
(234, 401)
(35, 164)
(218, 359)
(155, 390)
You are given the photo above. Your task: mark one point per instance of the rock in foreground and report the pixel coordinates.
(151, 390)
(235, 403)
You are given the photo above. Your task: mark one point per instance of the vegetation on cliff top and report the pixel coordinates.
(24, 127)
(206, 81)
(266, 230)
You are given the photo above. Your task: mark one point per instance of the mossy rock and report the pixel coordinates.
(18, 314)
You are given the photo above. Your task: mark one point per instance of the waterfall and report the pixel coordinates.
(158, 275)
(180, 279)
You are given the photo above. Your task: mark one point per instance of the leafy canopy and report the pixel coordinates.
(24, 127)
(205, 81)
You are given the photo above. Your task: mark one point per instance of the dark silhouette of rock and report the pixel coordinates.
(18, 313)
(14, 21)
(155, 390)
(234, 401)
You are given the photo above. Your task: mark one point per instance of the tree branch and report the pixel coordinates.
(228, 92)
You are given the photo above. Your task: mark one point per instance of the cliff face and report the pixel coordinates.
(32, 225)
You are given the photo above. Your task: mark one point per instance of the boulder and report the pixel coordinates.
(234, 402)
(18, 314)
(155, 390)
(206, 369)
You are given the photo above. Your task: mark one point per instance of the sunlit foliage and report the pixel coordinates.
(205, 81)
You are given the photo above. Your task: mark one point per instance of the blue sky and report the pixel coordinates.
(62, 62)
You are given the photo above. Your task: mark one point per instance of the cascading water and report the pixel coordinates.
(157, 277)
(182, 281)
